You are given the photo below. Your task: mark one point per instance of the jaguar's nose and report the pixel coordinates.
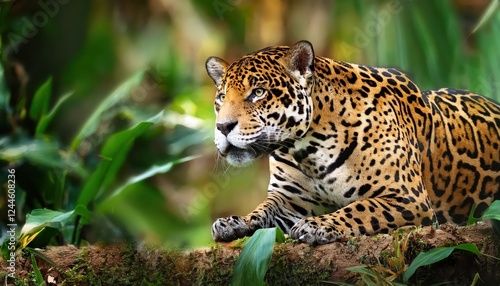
(226, 127)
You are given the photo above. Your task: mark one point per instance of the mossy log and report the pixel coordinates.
(291, 264)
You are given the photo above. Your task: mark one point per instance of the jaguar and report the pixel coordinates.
(353, 150)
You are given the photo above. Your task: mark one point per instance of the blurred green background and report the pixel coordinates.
(83, 83)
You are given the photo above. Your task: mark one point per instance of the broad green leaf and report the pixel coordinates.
(435, 255)
(470, 247)
(41, 100)
(114, 152)
(39, 152)
(490, 11)
(251, 267)
(39, 219)
(46, 119)
(116, 96)
(492, 212)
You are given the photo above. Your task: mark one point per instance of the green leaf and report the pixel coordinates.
(435, 255)
(280, 236)
(251, 267)
(39, 219)
(492, 212)
(4, 93)
(114, 152)
(154, 170)
(41, 100)
(116, 96)
(470, 247)
(46, 119)
(39, 152)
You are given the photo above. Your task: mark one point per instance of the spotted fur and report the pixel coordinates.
(352, 149)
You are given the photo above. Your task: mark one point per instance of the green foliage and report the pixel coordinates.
(379, 275)
(369, 277)
(63, 172)
(113, 99)
(436, 255)
(45, 119)
(114, 152)
(251, 267)
(492, 8)
(40, 105)
(41, 219)
(44, 153)
(492, 212)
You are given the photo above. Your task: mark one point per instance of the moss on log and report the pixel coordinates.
(291, 263)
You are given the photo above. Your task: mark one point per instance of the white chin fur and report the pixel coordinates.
(240, 158)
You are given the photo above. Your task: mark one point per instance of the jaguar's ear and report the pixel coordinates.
(300, 59)
(216, 67)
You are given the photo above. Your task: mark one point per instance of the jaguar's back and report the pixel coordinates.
(461, 158)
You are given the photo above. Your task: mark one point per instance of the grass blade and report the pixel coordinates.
(44, 257)
(362, 269)
(490, 11)
(38, 275)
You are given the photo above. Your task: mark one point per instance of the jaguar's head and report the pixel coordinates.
(262, 100)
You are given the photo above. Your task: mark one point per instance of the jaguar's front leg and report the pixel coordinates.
(369, 216)
(277, 210)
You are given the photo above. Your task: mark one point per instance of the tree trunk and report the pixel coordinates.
(291, 263)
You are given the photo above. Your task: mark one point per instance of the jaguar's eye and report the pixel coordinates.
(259, 92)
(221, 97)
